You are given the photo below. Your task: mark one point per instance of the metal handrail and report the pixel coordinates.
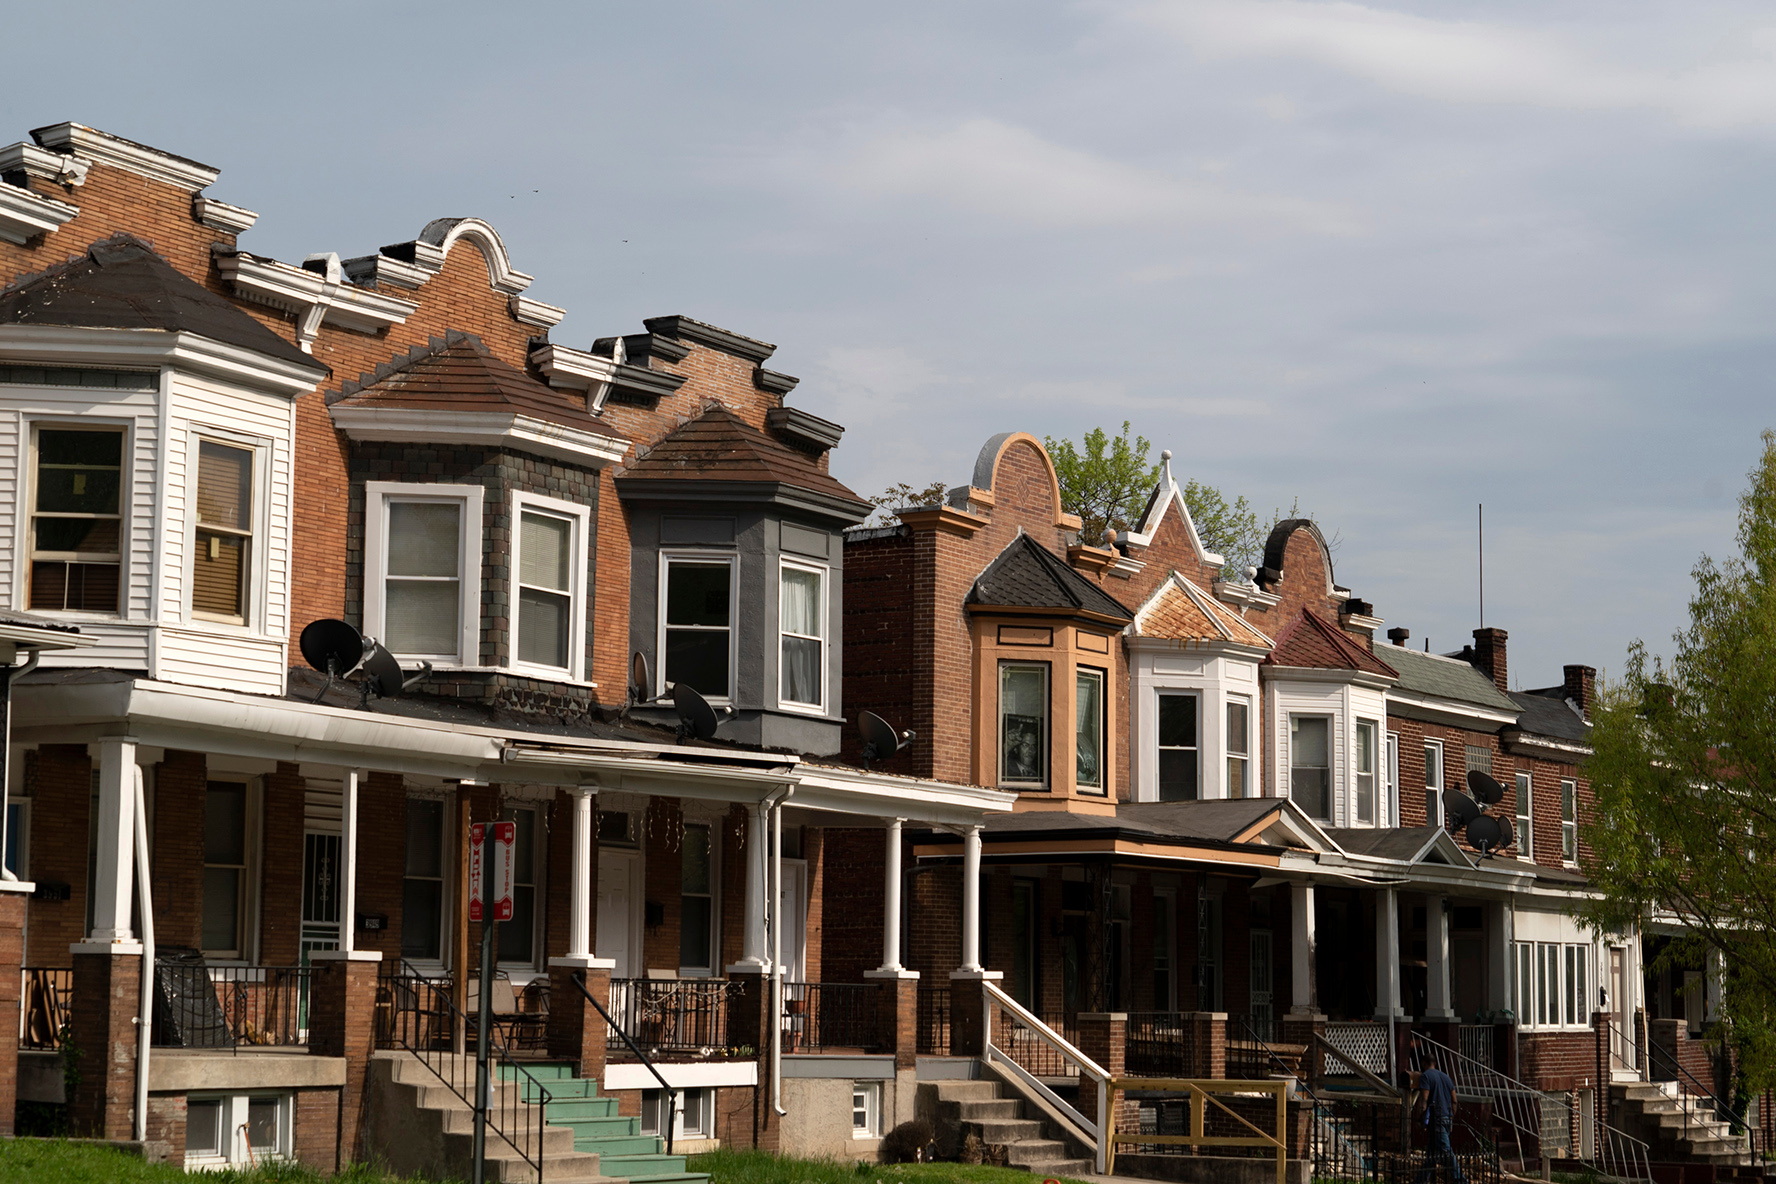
(1323, 1117)
(1091, 1132)
(530, 1090)
(578, 978)
(1723, 1112)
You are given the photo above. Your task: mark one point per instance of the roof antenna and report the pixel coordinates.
(1482, 537)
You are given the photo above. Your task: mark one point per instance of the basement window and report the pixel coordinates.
(222, 1130)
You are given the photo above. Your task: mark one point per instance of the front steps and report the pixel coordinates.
(1655, 1112)
(622, 1150)
(984, 1109)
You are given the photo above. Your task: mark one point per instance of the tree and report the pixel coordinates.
(899, 497)
(1106, 483)
(1230, 530)
(1683, 773)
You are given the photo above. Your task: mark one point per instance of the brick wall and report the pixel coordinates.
(1557, 1060)
(179, 785)
(851, 911)
(59, 777)
(664, 875)
(12, 958)
(382, 855)
(280, 910)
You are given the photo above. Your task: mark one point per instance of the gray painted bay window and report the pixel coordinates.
(1023, 723)
(76, 520)
(545, 588)
(698, 625)
(802, 600)
(1310, 764)
(1178, 748)
(424, 585)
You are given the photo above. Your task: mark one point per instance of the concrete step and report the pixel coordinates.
(1028, 1151)
(570, 1109)
(1058, 1167)
(1008, 1130)
(967, 1091)
(988, 1111)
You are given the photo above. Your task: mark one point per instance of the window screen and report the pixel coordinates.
(422, 613)
(1178, 748)
(545, 600)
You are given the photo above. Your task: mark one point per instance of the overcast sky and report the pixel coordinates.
(1391, 260)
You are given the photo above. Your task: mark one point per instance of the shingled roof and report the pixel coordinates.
(1027, 575)
(1445, 678)
(1178, 610)
(719, 446)
(1549, 713)
(120, 283)
(1312, 642)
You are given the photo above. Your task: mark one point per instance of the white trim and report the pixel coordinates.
(314, 297)
(105, 148)
(234, 1151)
(26, 501)
(24, 215)
(378, 270)
(377, 495)
(219, 215)
(1170, 492)
(1524, 784)
(872, 1109)
(59, 167)
(526, 311)
(668, 556)
(440, 234)
(824, 571)
(180, 350)
(493, 429)
(1442, 781)
(681, 1075)
(579, 545)
(253, 620)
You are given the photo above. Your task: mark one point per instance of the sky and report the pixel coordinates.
(1386, 262)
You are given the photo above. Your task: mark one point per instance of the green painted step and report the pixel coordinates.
(575, 1103)
(615, 1127)
(640, 1167)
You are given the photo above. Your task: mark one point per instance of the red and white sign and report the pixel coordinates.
(503, 837)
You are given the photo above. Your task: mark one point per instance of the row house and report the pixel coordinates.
(236, 885)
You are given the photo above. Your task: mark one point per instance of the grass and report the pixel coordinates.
(761, 1167)
(54, 1161)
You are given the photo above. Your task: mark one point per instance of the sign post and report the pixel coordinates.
(491, 866)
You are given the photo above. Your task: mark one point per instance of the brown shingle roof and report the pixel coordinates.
(461, 374)
(719, 446)
(1310, 641)
(1181, 611)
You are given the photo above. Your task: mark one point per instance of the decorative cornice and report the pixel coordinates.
(1094, 560)
(534, 312)
(639, 347)
(565, 368)
(522, 433)
(384, 271)
(24, 215)
(780, 493)
(945, 519)
(317, 293)
(440, 234)
(157, 347)
(219, 215)
(105, 148)
(712, 336)
(803, 430)
(1244, 595)
(43, 164)
(771, 380)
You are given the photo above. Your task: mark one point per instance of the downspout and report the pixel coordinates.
(145, 1012)
(775, 900)
(11, 675)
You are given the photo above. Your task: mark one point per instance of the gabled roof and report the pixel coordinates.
(1550, 713)
(1411, 844)
(1164, 494)
(120, 283)
(1180, 611)
(1445, 678)
(460, 374)
(1311, 642)
(1026, 575)
(719, 446)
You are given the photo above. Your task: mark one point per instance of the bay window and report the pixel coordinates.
(696, 623)
(422, 561)
(222, 554)
(549, 578)
(802, 646)
(1178, 748)
(1310, 764)
(1088, 732)
(1239, 747)
(1023, 724)
(77, 520)
(1364, 771)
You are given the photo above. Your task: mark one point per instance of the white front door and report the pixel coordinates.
(616, 911)
(792, 909)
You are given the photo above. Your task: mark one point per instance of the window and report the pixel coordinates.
(1525, 816)
(866, 1109)
(422, 886)
(696, 912)
(1239, 747)
(1023, 723)
(422, 595)
(1569, 821)
(517, 937)
(225, 877)
(223, 552)
(549, 577)
(77, 520)
(802, 657)
(616, 826)
(1310, 764)
(236, 1129)
(1433, 783)
(696, 1113)
(1365, 771)
(1391, 767)
(1177, 748)
(1552, 983)
(1478, 759)
(697, 642)
(1088, 730)
(18, 837)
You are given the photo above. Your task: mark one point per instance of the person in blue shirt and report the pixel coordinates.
(1436, 1097)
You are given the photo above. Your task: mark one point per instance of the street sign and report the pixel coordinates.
(503, 838)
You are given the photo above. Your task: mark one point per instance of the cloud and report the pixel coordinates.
(1464, 61)
(1009, 172)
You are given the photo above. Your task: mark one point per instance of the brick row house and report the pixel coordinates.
(236, 885)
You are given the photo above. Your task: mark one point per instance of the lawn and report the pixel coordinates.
(761, 1167)
(51, 1161)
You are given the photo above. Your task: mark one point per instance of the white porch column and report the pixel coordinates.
(1500, 974)
(752, 949)
(1387, 954)
(579, 908)
(114, 879)
(971, 859)
(891, 899)
(348, 858)
(1303, 980)
(1437, 993)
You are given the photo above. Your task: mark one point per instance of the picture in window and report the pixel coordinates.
(76, 522)
(803, 674)
(1310, 764)
(1023, 715)
(1177, 748)
(422, 612)
(223, 548)
(696, 900)
(422, 887)
(1365, 772)
(225, 867)
(1088, 730)
(545, 583)
(697, 609)
(1239, 747)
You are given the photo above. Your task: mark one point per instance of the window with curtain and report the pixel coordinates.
(696, 901)
(698, 605)
(1023, 723)
(1525, 817)
(545, 588)
(1365, 772)
(1310, 764)
(1088, 730)
(1239, 747)
(225, 869)
(1433, 783)
(802, 659)
(77, 521)
(1178, 750)
(517, 937)
(422, 883)
(422, 606)
(223, 548)
(1569, 821)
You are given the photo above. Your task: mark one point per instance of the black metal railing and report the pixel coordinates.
(1159, 1044)
(1253, 1054)
(418, 1017)
(821, 1017)
(47, 994)
(201, 1006)
(1035, 1055)
(670, 1017)
(669, 1118)
(934, 1021)
(1698, 1103)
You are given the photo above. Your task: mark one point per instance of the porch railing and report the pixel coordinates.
(1364, 1042)
(1159, 1044)
(819, 1017)
(1033, 1051)
(934, 1021)
(1699, 1104)
(47, 993)
(202, 1006)
(685, 1017)
(1006, 1019)
(1478, 1042)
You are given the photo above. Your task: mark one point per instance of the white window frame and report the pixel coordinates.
(680, 555)
(1332, 721)
(1196, 697)
(1228, 756)
(26, 535)
(377, 496)
(870, 1095)
(234, 1151)
(710, 968)
(1374, 774)
(579, 550)
(1569, 827)
(1437, 786)
(1391, 768)
(1526, 846)
(1543, 977)
(21, 834)
(652, 1100)
(825, 638)
(250, 890)
(257, 561)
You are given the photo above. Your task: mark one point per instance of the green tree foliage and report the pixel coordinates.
(1105, 482)
(1229, 529)
(1685, 780)
(899, 497)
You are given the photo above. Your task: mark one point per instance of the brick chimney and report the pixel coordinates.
(1489, 656)
(1581, 686)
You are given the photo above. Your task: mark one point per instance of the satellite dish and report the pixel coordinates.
(1459, 808)
(1482, 786)
(1507, 835)
(695, 716)
(639, 682)
(880, 740)
(382, 674)
(332, 647)
(1485, 835)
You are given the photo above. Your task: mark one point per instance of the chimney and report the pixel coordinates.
(1581, 686)
(1398, 636)
(1489, 656)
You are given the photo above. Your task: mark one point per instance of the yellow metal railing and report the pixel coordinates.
(1201, 1098)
